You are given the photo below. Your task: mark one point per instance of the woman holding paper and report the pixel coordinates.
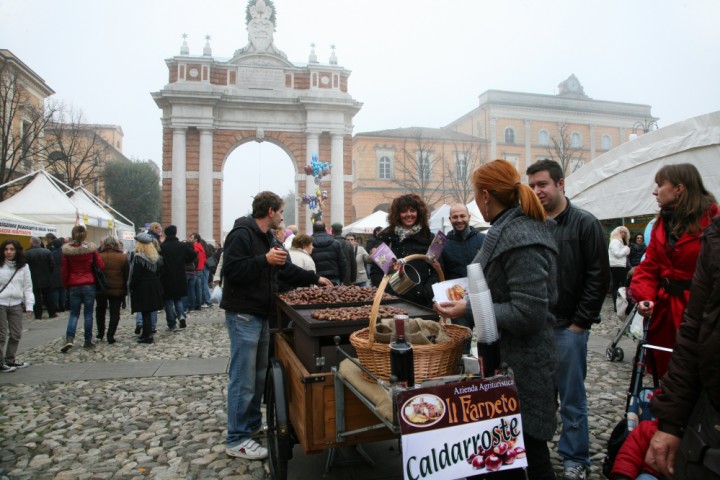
(409, 233)
(518, 262)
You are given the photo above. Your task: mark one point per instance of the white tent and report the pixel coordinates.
(15, 225)
(438, 219)
(367, 224)
(620, 182)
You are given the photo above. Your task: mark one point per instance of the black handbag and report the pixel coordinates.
(101, 283)
(699, 452)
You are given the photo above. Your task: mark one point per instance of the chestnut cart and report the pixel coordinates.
(308, 400)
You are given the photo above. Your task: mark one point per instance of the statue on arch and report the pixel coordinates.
(260, 21)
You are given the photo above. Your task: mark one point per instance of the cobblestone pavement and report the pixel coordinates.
(174, 427)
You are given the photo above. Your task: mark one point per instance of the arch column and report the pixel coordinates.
(337, 179)
(493, 138)
(205, 186)
(178, 192)
(312, 146)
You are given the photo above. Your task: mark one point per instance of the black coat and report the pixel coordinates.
(330, 261)
(418, 243)
(459, 252)
(145, 287)
(350, 262)
(41, 263)
(175, 255)
(57, 272)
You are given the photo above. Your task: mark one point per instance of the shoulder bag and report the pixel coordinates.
(101, 283)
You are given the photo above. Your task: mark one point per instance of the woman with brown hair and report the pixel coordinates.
(661, 282)
(518, 261)
(301, 250)
(116, 272)
(407, 234)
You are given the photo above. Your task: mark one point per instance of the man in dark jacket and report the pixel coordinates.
(349, 251)
(583, 277)
(175, 255)
(463, 243)
(251, 265)
(327, 254)
(41, 263)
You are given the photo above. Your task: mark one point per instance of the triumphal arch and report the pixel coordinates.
(212, 106)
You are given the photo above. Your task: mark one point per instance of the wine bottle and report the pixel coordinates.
(401, 355)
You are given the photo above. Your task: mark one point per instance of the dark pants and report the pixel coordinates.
(42, 296)
(618, 276)
(146, 325)
(539, 465)
(101, 308)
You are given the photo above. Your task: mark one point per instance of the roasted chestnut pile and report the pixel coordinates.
(355, 313)
(328, 295)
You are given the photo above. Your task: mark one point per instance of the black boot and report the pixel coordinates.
(146, 340)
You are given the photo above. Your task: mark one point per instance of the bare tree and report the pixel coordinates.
(562, 150)
(22, 122)
(76, 153)
(467, 158)
(419, 166)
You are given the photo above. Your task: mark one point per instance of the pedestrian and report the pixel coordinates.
(374, 240)
(16, 290)
(155, 230)
(189, 302)
(145, 288)
(301, 252)
(663, 278)
(250, 271)
(583, 278)
(688, 406)
(78, 277)
(327, 254)
(463, 243)
(116, 273)
(518, 259)
(362, 258)
(175, 255)
(349, 251)
(154, 313)
(290, 233)
(409, 233)
(58, 294)
(637, 250)
(42, 266)
(199, 273)
(618, 251)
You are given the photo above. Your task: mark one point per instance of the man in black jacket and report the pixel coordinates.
(251, 265)
(583, 277)
(327, 254)
(349, 252)
(175, 255)
(41, 263)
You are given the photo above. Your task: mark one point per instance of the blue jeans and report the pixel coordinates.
(174, 310)
(574, 445)
(153, 319)
(645, 476)
(191, 287)
(81, 296)
(198, 289)
(249, 350)
(205, 287)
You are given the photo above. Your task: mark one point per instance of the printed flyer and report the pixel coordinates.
(451, 290)
(461, 429)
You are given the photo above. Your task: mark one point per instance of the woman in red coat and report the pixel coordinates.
(661, 283)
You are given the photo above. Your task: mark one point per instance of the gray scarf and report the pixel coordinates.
(403, 232)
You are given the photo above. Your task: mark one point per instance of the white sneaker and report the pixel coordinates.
(5, 369)
(248, 449)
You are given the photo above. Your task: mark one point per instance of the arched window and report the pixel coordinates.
(384, 168)
(509, 135)
(461, 166)
(576, 140)
(544, 138)
(606, 142)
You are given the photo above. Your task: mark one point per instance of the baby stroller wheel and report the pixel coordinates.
(614, 354)
(619, 354)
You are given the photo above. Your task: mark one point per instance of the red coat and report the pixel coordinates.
(77, 264)
(678, 264)
(201, 255)
(630, 460)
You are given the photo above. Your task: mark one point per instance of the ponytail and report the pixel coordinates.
(530, 203)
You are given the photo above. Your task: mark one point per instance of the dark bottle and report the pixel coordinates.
(401, 355)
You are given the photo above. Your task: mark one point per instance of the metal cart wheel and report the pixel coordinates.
(279, 432)
(614, 354)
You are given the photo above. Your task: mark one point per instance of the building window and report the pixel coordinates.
(544, 138)
(514, 159)
(461, 164)
(423, 162)
(606, 142)
(384, 168)
(575, 140)
(509, 135)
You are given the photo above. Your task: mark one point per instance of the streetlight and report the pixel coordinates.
(647, 125)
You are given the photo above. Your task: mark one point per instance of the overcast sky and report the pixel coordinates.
(413, 62)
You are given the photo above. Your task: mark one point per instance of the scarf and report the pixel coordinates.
(146, 262)
(403, 232)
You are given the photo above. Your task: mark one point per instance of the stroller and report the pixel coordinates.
(637, 403)
(613, 353)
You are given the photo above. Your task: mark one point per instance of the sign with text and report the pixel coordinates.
(461, 429)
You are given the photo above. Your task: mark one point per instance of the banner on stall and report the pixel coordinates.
(461, 429)
(26, 229)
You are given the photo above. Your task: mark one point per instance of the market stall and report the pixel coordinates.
(21, 229)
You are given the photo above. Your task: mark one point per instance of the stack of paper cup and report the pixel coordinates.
(482, 305)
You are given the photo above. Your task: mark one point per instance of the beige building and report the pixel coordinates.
(520, 127)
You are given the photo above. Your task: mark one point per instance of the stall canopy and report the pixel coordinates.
(619, 183)
(367, 224)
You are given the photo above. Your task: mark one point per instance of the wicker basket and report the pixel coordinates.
(429, 360)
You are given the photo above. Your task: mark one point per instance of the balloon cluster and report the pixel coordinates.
(317, 169)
